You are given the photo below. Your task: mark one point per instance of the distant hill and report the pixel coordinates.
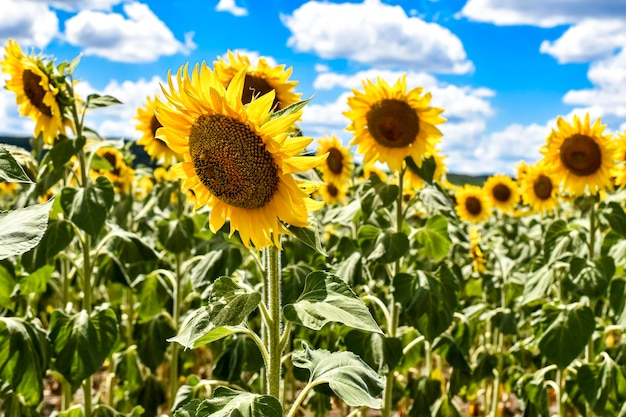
(141, 157)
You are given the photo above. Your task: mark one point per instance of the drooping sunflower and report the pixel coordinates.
(36, 95)
(503, 192)
(259, 79)
(472, 205)
(332, 192)
(148, 125)
(539, 188)
(238, 159)
(476, 253)
(580, 155)
(338, 166)
(389, 123)
(619, 172)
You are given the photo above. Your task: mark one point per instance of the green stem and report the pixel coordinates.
(173, 383)
(592, 232)
(274, 325)
(301, 397)
(560, 381)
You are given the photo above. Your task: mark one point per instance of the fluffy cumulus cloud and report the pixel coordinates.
(118, 121)
(543, 13)
(12, 123)
(376, 34)
(231, 7)
(74, 5)
(139, 36)
(30, 23)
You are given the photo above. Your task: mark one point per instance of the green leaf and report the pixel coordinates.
(425, 393)
(597, 382)
(556, 240)
(228, 306)
(73, 411)
(35, 283)
(22, 229)
(57, 237)
(390, 247)
(537, 286)
(616, 217)
(309, 235)
(152, 292)
(151, 337)
(380, 352)
(427, 169)
(326, 298)
(239, 356)
(176, 235)
(292, 108)
(7, 286)
(82, 342)
(220, 262)
(568, 335)
(348, 376)
(88, 207)
(24, 357)
(103, 410)
(95, 101)
(127, 367)
(230, 403)
(434, 237)
(445, 407)
(10, 169)
(64, 149)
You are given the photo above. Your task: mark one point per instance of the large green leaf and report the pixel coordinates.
(95, 101)
(10, 169)
(239, 355)
(58, 235)
(425, 393)
(88, 207)
(390, 247)
(228, 306)
(538, 284)
(309, 235)
(222, 261)
(380, 352)
(326, 298)
(128, 370)
(615, 215)
(598, 383)
(230, 403)
(425, 170)
(151, 337)
(176, 235)
(153, 291)
(24, 357)
(82, 342)
(7, 287)
(35, 283)
(434, 237)
(347, 375)
(568, 335)
(22, 229)
(557, 239)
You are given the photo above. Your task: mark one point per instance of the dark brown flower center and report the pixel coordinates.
(393, 123)
(581, 155)
(332, 190)
(473, 206)
(254, 87)
(543, 187)
(502, 193)
(335, 161)
(35, 92)
(232, 162)
(112, 159)
(154, 125)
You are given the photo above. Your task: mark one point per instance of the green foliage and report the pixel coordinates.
(22, 229)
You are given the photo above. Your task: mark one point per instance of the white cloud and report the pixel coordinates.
(12, 123)
(119, 121)
(74, 5)
(31, 24)
(139, 37)
(542, 13)
(376, 34)
(253, 56)
(230, 7)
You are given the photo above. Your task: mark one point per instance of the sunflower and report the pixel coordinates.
(338, 166)
(120, 174)
(35, 93)
(472, 205)
(390, 124)
(373, 169)
(580, 156)
(520, 170)
(238, 159)
(503, 192)
(476, 253)
(259, 79)
(619, 172)
(148, 125)
(539, 189)
(332, 192)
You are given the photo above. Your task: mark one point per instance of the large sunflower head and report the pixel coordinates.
(238, 159)
(503, 192)
(259, 80)
(148, 124)
(389, 123)
(36, 94)
(338, 166)
(539, 189)
(472, 205)
(580, 156)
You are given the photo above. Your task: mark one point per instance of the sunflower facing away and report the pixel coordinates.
(259, 79)
(148, 125)
(238, 160)
(36, 96)
(539, 189)
(580, 156)
(503, 192)
(338, 166)
(390, 124)
(472, 205)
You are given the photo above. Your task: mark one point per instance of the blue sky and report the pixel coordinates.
(503, 70)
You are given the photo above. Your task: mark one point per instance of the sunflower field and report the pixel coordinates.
(244, 273)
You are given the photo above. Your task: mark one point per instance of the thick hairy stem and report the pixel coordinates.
(275, 322)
